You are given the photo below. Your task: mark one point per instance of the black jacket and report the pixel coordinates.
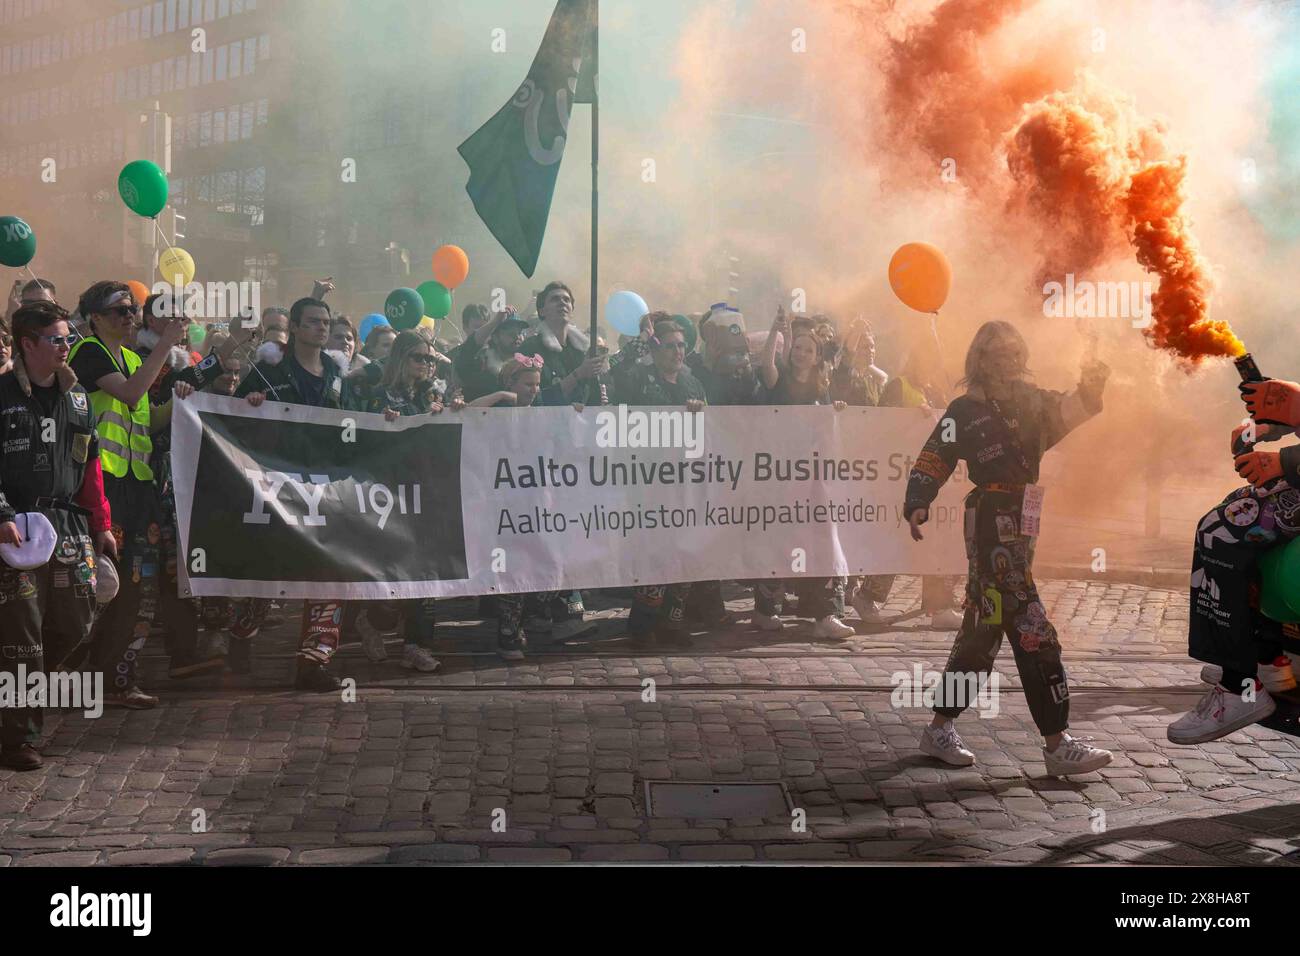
(279, 386)
(31, 468)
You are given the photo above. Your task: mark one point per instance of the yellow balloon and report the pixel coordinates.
(176, 262)
(428, 323)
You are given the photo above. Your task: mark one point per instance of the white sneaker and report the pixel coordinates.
(832, 627)
(868, 610)
(1277, 676)
(766, 622)
(417, 658)
(945, 620)
(1218, 714)
(943, 742)
(1074, 756)
(372, 642)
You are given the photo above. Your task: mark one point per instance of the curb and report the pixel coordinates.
(1171, 578)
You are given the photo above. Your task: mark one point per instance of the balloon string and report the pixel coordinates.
(943, 369)
(162, 235)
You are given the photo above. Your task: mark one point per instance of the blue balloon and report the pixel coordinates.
(623, 312)
(368, 325)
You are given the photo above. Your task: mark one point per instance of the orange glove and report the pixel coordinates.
(1272, 400)
(1259, 467)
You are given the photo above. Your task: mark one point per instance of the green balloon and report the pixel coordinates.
(143, 187)
(404, 308)
(436, 298)
(1279, 569)
(17, 242)
(198, 334)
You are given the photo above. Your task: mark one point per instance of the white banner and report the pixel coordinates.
(302, 502)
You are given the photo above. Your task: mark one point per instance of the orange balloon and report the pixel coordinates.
(450, 266)
(920, 276)
(139, 291)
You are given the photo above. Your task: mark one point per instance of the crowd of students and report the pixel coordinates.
(108, 373)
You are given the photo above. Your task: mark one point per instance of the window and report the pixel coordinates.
(205, 129)
(192, 130)
(236, 59)
(222, 52)
(196, 12)
(211, 10)
(158, 18)
(250, 55)
(263, 112)
(194, 68)
(208, 59)
(133, 25)
(131, 91)
(182, 14)
(156, 78)
(236, 6)
(248, 113)
(223, 8)
(219, 126)
(146, 22)
(264, 47)
(170, 21)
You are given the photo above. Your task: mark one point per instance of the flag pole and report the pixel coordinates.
(595, 168)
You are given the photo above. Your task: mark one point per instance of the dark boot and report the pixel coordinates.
(22, 757)
(314, 677)
(241, 657)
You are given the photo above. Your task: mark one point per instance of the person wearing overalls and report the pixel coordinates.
(1001, 427)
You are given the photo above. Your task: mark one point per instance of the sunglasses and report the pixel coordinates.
(121, 311)
(424, 359)
(59, 341)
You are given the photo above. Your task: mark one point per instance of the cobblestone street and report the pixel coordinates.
(418, 768)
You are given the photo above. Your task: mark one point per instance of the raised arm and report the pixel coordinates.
(767, 369)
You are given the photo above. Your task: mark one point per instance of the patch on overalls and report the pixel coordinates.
(1006, 524)
(68, 551)
(1242, 512)
(80, 448)
(991, 606)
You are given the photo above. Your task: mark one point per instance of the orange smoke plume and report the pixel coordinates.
(1099, 179)
(1081, 164)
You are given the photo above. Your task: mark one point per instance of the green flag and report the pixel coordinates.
(514, 158)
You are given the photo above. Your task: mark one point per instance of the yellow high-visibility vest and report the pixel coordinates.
(123, 431)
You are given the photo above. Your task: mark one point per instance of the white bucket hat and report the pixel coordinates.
(38, 542)
(106, 580)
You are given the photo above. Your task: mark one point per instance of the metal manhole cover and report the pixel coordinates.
(716, 800)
